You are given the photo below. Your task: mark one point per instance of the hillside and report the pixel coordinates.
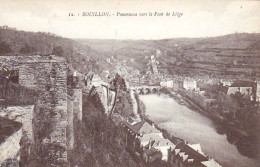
(81, 57)
(233, 55)
(97, 137)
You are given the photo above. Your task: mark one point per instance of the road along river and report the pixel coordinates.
(194, 128)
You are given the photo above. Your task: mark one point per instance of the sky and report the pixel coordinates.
(204, 18)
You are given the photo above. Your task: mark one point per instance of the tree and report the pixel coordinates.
(95, 99)
(27, 49)
(119, 82)
(5, 48)
(58, 51)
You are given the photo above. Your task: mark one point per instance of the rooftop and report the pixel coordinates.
(189, 80)
(150, 137)
(144, 128)
(141, 127)
(163, 142)
(211, 163)
(151, 151)
(192, 154)
(243, 90)
(196, 147)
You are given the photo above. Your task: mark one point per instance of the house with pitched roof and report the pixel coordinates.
(151, 155)
(184, 155)
(128, 135)
(96, 80)
(168, 84)
(138, 135)
(144, 127)
(227, 82)
(210, 163)
(146, 139)
(245, 87)
(163, 145)
(247, 91)
(189, 84)
(140, 128)
(196, 147)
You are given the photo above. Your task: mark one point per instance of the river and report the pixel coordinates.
(194, 128)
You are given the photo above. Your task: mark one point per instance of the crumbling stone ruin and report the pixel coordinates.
(11, 147)
(74, 114)
(50, 112)
(53, 112)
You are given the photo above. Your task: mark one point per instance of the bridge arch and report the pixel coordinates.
(155, 90)
(141, 91)
(147, 91)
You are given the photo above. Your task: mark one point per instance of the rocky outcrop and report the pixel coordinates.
(22, 114)
(12, 145)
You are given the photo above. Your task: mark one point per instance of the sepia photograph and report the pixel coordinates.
(133, 83)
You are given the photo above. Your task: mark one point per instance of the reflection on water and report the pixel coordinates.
(196, 128)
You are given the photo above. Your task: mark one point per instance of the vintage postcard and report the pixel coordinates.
(134, 83)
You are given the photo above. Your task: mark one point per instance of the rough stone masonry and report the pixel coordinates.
(47, 74)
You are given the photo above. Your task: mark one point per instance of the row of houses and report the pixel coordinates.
(187, 84)
(148, 143)
(232, 86)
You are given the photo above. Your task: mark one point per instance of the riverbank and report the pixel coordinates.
(245, 141)
(183, 99)
(195, 128)
(143, 116)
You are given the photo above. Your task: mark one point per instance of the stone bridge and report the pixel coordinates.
(145, 89)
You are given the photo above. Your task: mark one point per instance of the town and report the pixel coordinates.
(140, 137)
(66, 108)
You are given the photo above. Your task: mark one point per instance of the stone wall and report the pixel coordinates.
(14, 62)
(48, 75)
(103, 95)
(14, 94)
(23, 114)
(74, 114)
(27, 66)
(50, 114)
(107, 98)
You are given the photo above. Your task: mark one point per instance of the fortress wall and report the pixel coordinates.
(50, 114)
(74, 114)
(48, 74)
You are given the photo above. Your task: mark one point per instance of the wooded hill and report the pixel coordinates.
(80, 57)
(233, 55)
